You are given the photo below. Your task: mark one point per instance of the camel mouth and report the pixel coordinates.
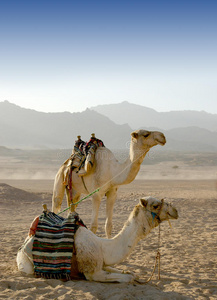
(161, 140)
(161, 143)
(175, 216)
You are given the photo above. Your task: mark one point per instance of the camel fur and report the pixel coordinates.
(106, 174)
(96, 256)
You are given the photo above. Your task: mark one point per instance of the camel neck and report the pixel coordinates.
(131, 166)
(119, 247)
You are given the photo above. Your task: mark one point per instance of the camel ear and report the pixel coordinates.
(143, 202)
(134, 134)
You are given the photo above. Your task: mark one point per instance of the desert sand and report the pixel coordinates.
(188, 249)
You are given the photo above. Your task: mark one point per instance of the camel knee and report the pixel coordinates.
(94, 227)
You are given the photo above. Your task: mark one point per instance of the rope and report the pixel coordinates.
(157, 259)
(157, 262)
(127, 166)
(97, 190)
(159, 253)
(84, 184)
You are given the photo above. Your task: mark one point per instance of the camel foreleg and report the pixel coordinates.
(112, 270)
(111, 197)
(96, 199)
(105, 276)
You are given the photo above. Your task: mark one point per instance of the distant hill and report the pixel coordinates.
(191, 139)
(26, 128)
(140, 116)
(12, 193)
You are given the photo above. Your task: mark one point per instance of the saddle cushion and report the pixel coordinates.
(53, 245)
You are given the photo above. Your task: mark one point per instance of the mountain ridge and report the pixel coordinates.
(141, 116)
(28, 129)
(21, 127)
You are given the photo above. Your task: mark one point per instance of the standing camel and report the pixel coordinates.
(106, 174)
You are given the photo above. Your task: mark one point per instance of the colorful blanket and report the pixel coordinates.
(53, 245)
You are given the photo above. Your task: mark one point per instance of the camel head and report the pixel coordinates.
(147, 139)
(159, 209)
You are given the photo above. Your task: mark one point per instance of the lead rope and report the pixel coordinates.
(158, 253)
(97, 190)
(157, 262)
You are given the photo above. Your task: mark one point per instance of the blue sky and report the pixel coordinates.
(68, 55)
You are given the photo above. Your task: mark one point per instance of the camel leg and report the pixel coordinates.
(58, 191)
(112, 270)
(24, 263)
(96, 199)
(103, 276)
(111, 197)
(75, 198)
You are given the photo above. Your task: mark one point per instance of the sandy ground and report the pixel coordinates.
(188, 250)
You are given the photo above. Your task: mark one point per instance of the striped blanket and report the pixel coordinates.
(53, 245)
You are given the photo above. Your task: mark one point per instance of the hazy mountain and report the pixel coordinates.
(26, 128)
(29, 129)
(191, 139)
(140, 116)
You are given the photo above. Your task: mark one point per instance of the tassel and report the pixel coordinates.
(169, 223)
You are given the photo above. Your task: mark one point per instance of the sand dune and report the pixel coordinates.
(188, 250)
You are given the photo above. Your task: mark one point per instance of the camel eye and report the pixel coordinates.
(155, 206)
(146, 135)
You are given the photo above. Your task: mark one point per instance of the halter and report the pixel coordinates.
(157, 258)
(156, 215)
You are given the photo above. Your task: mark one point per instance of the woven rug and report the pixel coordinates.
(53, 245)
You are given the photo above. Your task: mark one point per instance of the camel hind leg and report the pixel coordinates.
(58, 191)
(72, 197)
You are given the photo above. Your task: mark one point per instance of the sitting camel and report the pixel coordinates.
(107, 174)
(95, 255)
